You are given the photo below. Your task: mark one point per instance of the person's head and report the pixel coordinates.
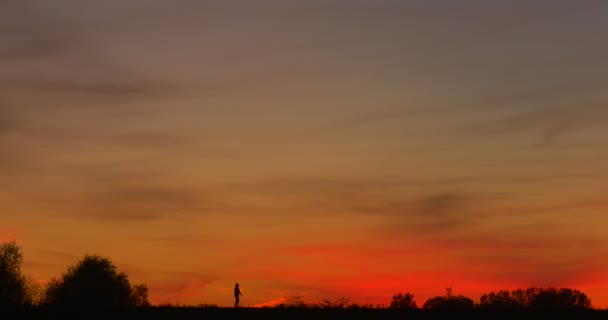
(236, 285)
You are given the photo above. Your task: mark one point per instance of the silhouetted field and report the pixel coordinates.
(191, 313)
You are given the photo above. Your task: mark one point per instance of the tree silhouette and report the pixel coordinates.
(13, 285)
(449, 303)
(502, 300)
(139, 296)
(536, 298)
(561, 299)
(403, 301)
(34, 291)
(520, 297)
(94, 281)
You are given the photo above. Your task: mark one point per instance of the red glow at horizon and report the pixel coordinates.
(271, 303)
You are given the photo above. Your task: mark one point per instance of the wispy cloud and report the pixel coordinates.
(440, 212)
(185, 240)
(111, 89)
(353, 122)
(60, 57)
(180, 290)
(142, 203)
(33, 33)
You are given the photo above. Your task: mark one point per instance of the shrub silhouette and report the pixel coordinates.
(403, 301)
(449, 303)
(337, 304)
(13, 285)
(94, 282)
(293, 300)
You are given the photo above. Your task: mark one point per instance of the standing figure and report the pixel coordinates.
(237, 294)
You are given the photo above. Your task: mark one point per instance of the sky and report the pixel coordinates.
(326, 148)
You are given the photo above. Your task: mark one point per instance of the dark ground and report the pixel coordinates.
(186, 313)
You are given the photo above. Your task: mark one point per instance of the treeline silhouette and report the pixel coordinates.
(93, 288)
(92, 282)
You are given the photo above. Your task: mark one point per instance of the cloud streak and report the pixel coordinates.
(140, 203)
(179, 290)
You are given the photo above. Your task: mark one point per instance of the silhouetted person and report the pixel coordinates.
(237, 294)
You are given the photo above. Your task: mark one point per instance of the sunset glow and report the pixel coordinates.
(331, 149)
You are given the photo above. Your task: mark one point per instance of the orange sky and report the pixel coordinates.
(331, 149)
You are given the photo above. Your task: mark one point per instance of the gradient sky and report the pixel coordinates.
(329, 148)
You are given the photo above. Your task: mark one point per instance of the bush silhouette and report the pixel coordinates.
(403, 301)
(13, 285)
(449, 303)
(94, 281)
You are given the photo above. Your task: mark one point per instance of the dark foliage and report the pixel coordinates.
(13, 286)
(449, 303)
(403, 301)
(139, 296)
(94, 282)
(537, 299)
(552, 298)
